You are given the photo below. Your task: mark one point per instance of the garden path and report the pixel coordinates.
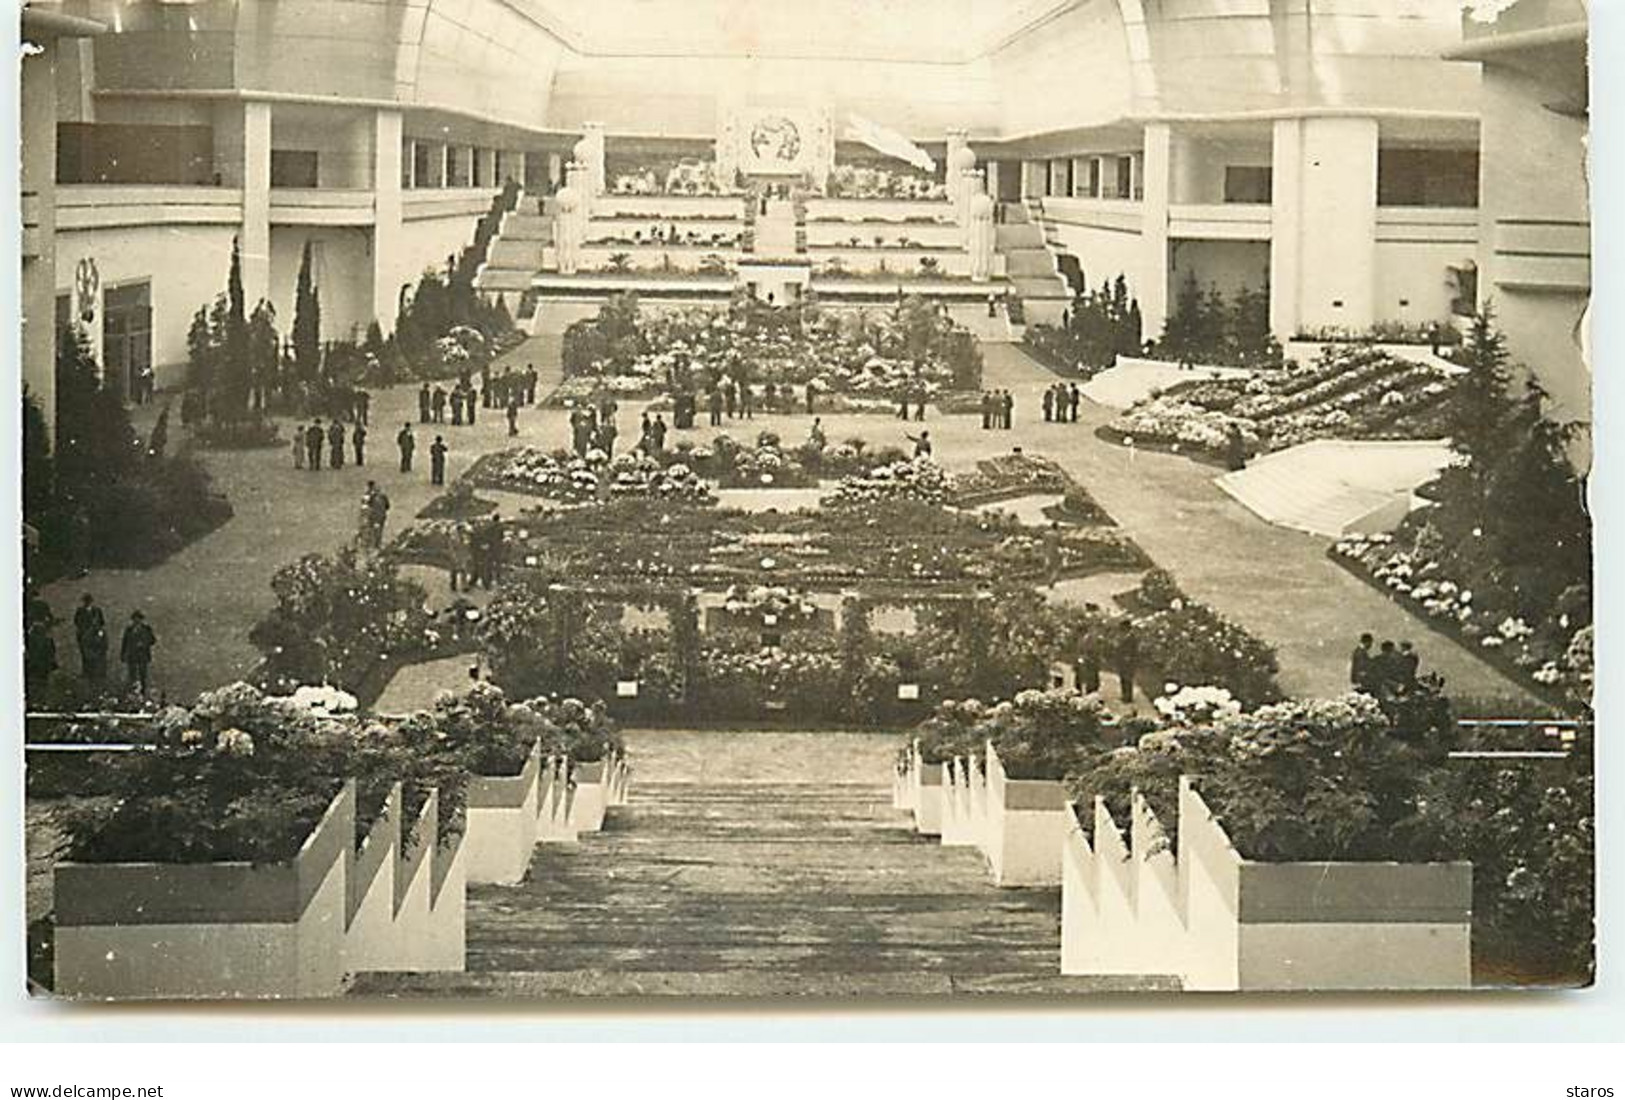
(203, 601)
(756, 864)
(1276, 582)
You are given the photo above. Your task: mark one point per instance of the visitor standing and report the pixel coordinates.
(437, 461)
(815, 435)
(335, 444)
(135, 650)
(730, 397)
(460, 555)
(1408, 664)
(1049, 404)
(315, 436)
(90, 632)
(363, 408)
(1009, 408)
(1361, 666)
(299, 449)
(376, 504)
(657, 432)
(922, 444)
(457, 407)
(747, 401)
(513, 417)
(987, 410)
(358, 443)
(406, 443)
(713, 402)
(1127, 658)
(810, 393)
(39, 657)
(1074, 398)
(438, 405)
(471, 405)
(425, 404)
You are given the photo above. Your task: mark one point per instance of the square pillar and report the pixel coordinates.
(387, 206)
(1153, 283)
(255, 240)
(1323, 235)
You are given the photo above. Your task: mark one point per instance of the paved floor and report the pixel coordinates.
(1276, 582)
(756, 864)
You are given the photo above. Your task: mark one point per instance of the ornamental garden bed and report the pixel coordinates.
(1005, 477)
(1553, 663)
(910, 348)
(873, 540)
(1353, 392)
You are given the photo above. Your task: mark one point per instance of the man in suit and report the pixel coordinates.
(407, 443)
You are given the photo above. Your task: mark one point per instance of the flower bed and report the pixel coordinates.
(919, 480)
(560, 476)
(910, 349)
(1013, 475)
(1352, 392)
(1183, 642)
(1552, 657)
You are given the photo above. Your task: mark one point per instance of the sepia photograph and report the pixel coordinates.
(1010, 502)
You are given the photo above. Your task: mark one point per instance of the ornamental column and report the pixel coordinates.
(982, 236)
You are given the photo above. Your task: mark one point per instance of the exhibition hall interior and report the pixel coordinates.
(547, 499)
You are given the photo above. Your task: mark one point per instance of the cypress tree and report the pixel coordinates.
(307, 322)
(233, 377)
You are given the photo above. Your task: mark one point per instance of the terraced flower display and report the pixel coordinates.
(1348, 393)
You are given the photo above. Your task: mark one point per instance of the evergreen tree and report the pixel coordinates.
(307, 323)
(201, 346)
(39, 473)
(263, 347)
(1482, 402)
(232, 377)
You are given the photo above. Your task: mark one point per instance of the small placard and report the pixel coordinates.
(770, 620)
(908, 691)
(626, 689)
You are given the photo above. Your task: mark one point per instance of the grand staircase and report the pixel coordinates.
(755, 888)
(518, 250)
(1031, 266)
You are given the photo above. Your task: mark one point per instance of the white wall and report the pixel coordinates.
(1415, 272)
(186, 264)
(343, 272)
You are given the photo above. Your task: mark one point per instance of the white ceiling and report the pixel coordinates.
(944, 31)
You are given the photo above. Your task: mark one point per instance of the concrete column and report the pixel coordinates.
(1153, 282)
(1286, 226)
(387, 217)
(1323, 232)
(255, 239)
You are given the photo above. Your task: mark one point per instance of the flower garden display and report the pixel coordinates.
(559, 476)
(1350, 392)
(910, 349)
(1185, 642)
(774, 605)
(918, 480)
(1018, 474)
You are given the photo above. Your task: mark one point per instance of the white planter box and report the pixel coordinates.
(213, 930)
(501, 833)
(1026, 825)
(591, 796)
(928, 799)
(370, 942)
(1216, 921)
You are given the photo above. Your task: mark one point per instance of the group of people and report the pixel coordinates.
(91, 636)
(474, 554)
(1114, 645)
(594, 428)
(1061, 403)
(407, 444)
(311, 442)
(905, 398)
(1389, 670)
(509, 390)
(998, 409)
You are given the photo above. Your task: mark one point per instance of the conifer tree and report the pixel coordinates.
(307, 322)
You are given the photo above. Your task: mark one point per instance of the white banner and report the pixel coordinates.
(890, 142)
